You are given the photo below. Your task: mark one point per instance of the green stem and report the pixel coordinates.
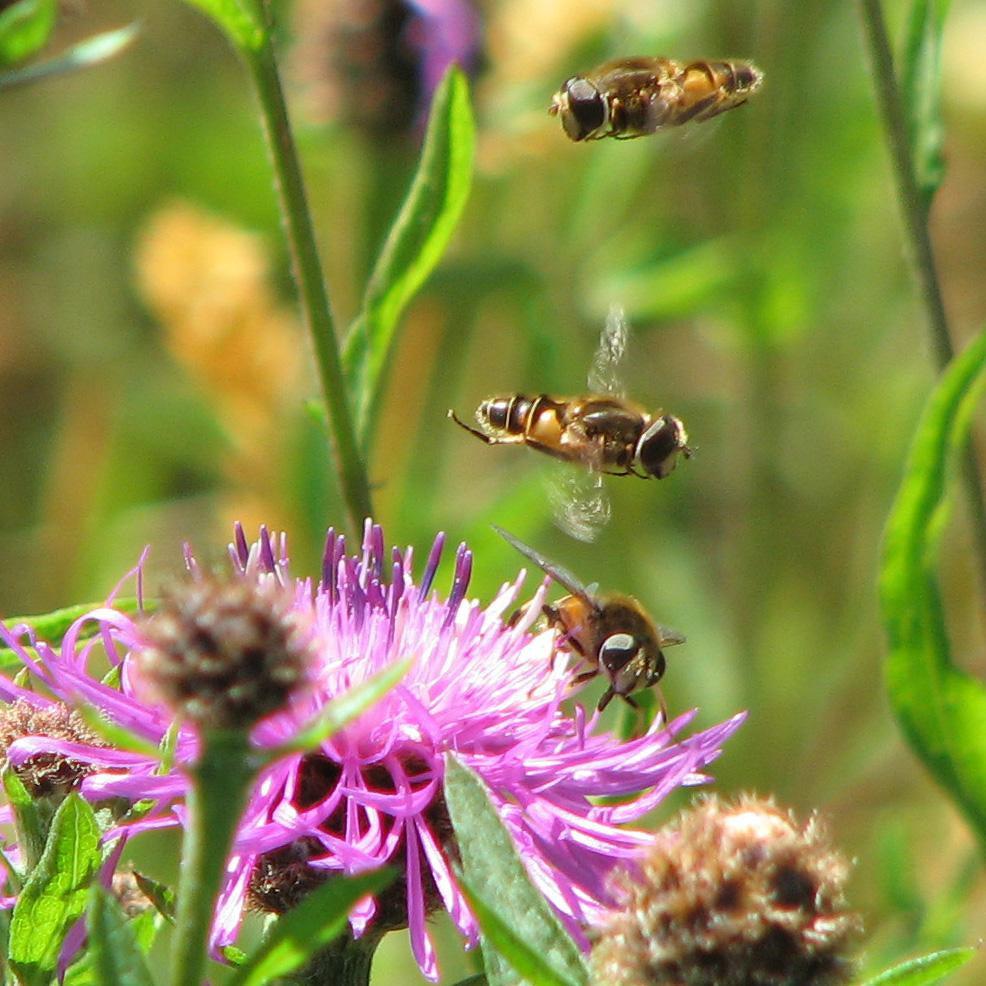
(344, 962)
(353, 479)
(915, 214)
(220, 784)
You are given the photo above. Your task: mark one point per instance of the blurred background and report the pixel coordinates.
(153, 375)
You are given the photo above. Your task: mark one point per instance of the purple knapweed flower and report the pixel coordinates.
(372, 794)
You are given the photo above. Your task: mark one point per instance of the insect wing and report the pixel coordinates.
(579, 501)
(561, 575)
(604, 373)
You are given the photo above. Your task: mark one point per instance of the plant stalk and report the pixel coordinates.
(353, 479)
(220, 782)
(915, 214)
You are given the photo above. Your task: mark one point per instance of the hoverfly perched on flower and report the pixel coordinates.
(611, 633)
(632, 97)
(602, 432)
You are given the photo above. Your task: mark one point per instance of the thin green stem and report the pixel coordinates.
(353, 479)
(220, 784)
(915, 215)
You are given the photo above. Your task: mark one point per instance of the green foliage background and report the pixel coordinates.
(760, 262)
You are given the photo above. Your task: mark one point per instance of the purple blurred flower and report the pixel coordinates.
(372, 794)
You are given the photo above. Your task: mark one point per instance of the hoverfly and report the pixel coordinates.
(602, 432)
(632, 97)
(611, 633)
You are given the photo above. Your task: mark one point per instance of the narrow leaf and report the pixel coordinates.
(417, 239)
(301, 932)
(25, 27)
(941, 708)
(159, 894)
(526, 961)
(344, 709)
(490, 860)
(29, 824)
(93, 51)
(921, 92)
(116, 959)
(52, 627)
(241, 21)
(923, 971)
(54, 896)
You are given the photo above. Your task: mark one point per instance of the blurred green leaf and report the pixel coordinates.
(299, 933)
(941, 709)
(490, 860)
(54, 896)
(159, 894)
(25, 28)
(52, 627)
(93, 51)
(920, 87)
(241, 20)
(416, 241)
(923, 971)
(117, 961)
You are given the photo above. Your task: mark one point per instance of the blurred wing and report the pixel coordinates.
(579, 502)
(561, 575)
(604, 374)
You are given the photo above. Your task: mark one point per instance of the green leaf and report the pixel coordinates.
(301, 932)
(490, 860)
(29, 823)
(921, 93)
(52, 627)
(54, 896)
(159, 894)
(25, 28)
(941, 708)
(416, 241)
(242, 21)
(116, 959)
(93, 51)
(524, 958)
(923, 971)
(344, 709)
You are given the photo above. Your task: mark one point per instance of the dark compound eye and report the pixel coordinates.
(586, 109)
(617, 650)
(659, 447)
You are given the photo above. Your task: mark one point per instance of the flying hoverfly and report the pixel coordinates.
(602, 432)
(632, 97)
(611, 633)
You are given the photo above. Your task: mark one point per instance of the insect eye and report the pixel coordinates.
(586, 109)
(617, 650)
(659, 446)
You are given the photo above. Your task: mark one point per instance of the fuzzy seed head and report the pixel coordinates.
(731, 895)
(225, 655)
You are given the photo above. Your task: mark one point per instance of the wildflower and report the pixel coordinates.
(372, 793)
(731, 895)
(376, 63)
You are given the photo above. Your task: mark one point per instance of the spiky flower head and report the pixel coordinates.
(372, 794)
(730, 895)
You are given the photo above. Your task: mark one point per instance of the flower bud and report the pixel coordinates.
(731, 895)
(224, 654)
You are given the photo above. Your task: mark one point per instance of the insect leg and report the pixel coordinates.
(481, 435)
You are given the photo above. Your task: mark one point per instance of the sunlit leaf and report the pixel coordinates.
(417, 239)
(923, 971)
(25, 27)
(920, 88)
(116, 959)
(241, 20)
(941, 708)
(29, 824)
(301, 932)
(55, 894)
(93, 51)
(490, 860)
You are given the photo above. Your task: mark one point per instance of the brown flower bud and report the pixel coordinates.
(731, 895)
(224, 654)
